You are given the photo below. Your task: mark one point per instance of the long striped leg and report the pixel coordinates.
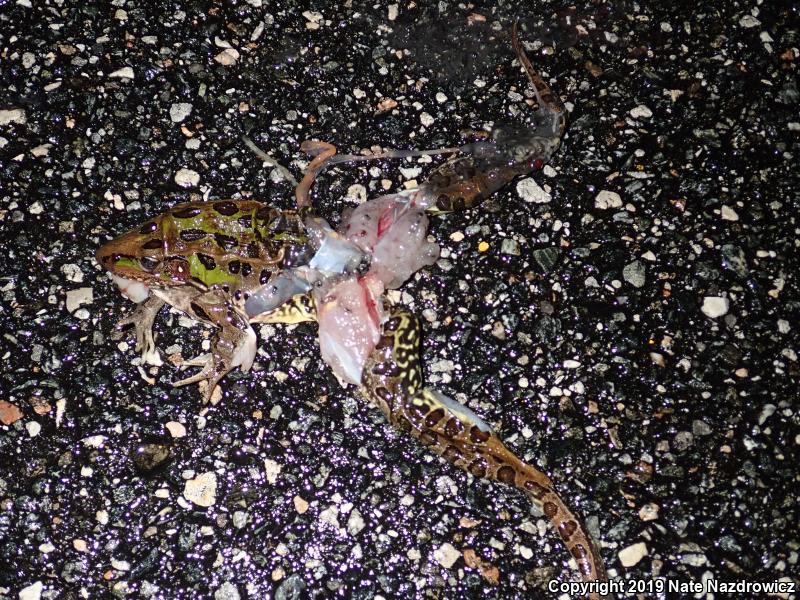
(392, 380)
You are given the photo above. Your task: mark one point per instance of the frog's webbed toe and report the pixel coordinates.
(211, 373)
(142, 318)
(233, 347)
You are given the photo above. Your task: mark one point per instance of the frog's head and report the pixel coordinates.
(134, 260)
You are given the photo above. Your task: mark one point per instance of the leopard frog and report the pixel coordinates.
(227, 263)
(233, 263)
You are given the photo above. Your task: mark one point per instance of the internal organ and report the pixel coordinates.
(393, 230)
(349, 313)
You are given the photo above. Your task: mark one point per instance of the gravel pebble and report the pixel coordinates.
(641, 112)
(530, 191)
(201, 490)
(715, 306)
(123, 73)
(179, 111)
(32, 592)
(446, 555)
(13, 115)
(227, 57)
(187, 178)
(632, 554)
(635, 273)
(79, 297)
(607, 199)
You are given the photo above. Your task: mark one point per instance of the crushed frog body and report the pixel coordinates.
(233, 263)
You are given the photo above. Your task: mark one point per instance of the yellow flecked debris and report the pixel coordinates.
(483, 246)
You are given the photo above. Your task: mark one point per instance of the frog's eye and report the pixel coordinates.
(148, 263)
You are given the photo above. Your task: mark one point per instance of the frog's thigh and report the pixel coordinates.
(393, 381)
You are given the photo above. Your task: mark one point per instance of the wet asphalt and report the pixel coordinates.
(626, 318)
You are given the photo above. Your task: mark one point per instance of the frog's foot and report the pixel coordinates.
(392, 380)
(484, 167)
(233, 348)
(142, 318)
(212, 371)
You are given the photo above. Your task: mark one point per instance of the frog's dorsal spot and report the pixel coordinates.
(265, 213)
(477, 435)
(434, 417)
(192, 235)
(567, 529)
(154, 244)
(207, 261)
(148, 228)
(263, 277)
(226, 208)
(246, 269)
(453, 427)
(234, 267)
(246, 221)
(225, 242)
(578, 551)
(199, 312)
(279, 223)
(186, 212)
(506, 474)
(253, 250)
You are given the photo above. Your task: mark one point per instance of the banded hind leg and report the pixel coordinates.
(392, 380)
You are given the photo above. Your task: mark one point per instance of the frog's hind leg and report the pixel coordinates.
(392, 380)
(300, 308)
(233, 346)
(142, 318)
(485, 167)
(551, 110)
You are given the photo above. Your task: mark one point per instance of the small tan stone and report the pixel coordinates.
(300, 505)
(202, 490)
(9, 413)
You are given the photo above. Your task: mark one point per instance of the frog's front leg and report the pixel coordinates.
(142, 318)
(233, 346)
(392, 380)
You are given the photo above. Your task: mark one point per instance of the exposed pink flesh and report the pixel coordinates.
(349, 314)
(395, 233)
(350, 311)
